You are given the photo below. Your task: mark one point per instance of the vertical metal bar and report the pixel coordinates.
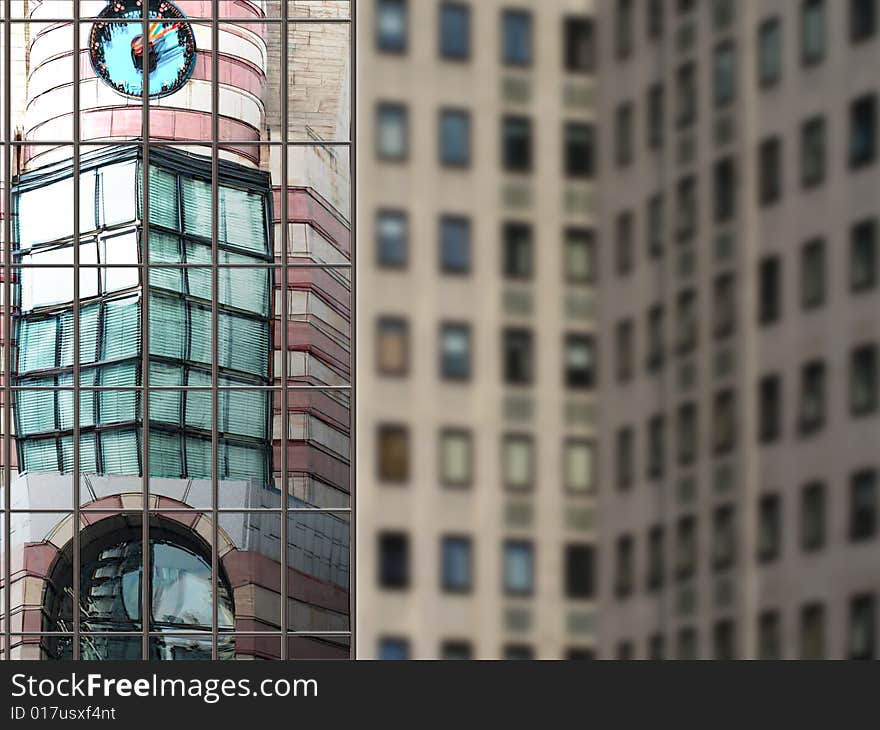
(285, 490)
(352, 150)
(7, 330)
(146, 582)
(215, 319)
(76, 335)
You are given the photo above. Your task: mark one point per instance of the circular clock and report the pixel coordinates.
(118, 48)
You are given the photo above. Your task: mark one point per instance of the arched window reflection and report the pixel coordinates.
(111, 597)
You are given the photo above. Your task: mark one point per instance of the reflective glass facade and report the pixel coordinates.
(111, 290)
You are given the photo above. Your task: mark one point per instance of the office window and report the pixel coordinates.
(769, 528)
(625, 457)
(724, 305)
(457, 564)
(686, 88)
(516, 144)
(519, 568)
(455, 138)
(580, 45)
(685, 6)
(654, 21)
(625, 352)
(813, 151)
(812, 634)
(863, 505)
(624, 26)
(577, 653)
(456, 458)
(685, 547)
(813, 516)
(769, 52)
(580, 361)
(863, 131)
(518, 652)
(656, 573)
(624, 242)
(393, 560)
(392, 346)
(455, 351)
(863, 380)
(623, 134)
(655, 228)
(688, 321)
(686, 208)
(518, 356)
(769, 290)
(769, 636)
(863, 256)
(391, 25)
(656, 345)
(455, 31)
(724, 422)
(812, 405)
(687, 434)
(655, 451)
(723, 13)
(724, 73)
(393, 649)
(687, 645)
(724, 641)
(518, 254)
(392, 125)
(580, 571)
(580, 256)
(812, 31)
(518, 462)
(862, 19)
(862, 626)
(770, 171)
(579, 152)
(516, 33)
(656, 116)
(455, 245)
(456, 650)
(770, 409)
(624, 566)
(723, 537)
(392, 239)
(393, 453)
(579, 464)
(813, 274)
(656, 648)
(724, 180)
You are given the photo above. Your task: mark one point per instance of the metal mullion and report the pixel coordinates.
(182, 143)
(7, 326)
(285, 488)
(75, 474)
(146, 583)
(191, 21)
(215, 322)
(352, 623)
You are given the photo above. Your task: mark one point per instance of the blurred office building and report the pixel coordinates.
(739, 299)
(477, 357)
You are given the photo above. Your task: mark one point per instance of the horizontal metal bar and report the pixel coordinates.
(192, 635)
(182, 510)
(173, 388)
(161, 267)
(270, 20)
(178, 143)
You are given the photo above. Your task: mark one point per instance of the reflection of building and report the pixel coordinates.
(477, 362)
(739, 299)
(183, 309)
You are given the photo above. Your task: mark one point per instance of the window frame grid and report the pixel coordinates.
(146, 144)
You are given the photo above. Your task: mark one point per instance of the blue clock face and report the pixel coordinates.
(119, 51)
